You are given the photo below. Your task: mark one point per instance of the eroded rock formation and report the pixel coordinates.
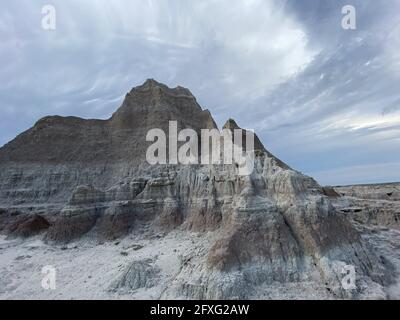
(73, 178)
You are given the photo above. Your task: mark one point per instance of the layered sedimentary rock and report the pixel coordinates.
(375, 204)
(90, 179)
(385, 191)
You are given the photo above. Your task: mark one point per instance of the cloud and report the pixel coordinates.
(319, 96)
(225, 51)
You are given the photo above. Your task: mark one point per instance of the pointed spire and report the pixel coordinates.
(231, 124)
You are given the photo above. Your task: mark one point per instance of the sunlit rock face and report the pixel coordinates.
(89, 179)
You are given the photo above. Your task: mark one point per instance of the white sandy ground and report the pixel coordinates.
(85, 270)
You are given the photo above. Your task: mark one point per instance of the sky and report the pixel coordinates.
(324, 99)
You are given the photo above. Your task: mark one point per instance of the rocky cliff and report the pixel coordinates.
(373, 204)
(72, 180)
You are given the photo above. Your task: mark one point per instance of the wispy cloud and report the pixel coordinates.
(320, 97)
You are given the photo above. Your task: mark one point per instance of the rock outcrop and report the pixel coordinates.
(374, 205)
(90, 179)
(140, 274)
(385, 191)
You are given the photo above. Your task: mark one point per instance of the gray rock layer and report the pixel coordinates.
(375, 205)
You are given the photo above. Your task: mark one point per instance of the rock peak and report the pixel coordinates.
(154, 87)
(231, 124)
(151, 82)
